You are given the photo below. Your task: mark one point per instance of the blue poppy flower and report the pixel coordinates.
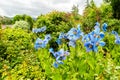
(89, 46)
(93, 39)
(114, 32)
(48, 37)
(39, 43)
(102, 35)
(60, 55)
(37, 30)
(117, 37)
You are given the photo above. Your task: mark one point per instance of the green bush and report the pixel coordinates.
(13, 42)
(22, 25)
(55, 22)
(113, 24)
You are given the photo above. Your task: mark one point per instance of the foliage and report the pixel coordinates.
(24, 17)
(22, 25)
(113, 24)
(5, 20)
(91, 15)
(13, 42)
(55, 22)
(106, 11)
(75, 12)
(116, 8)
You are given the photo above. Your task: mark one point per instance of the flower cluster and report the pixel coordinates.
(59, 56)
(72, 35)
(93, 39)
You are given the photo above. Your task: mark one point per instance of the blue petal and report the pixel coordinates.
(117, 41)
(95, 49)
(97, 30)
(102, 35)
(72, 43)
(51, 50)
(47, 37)
(58, 41)
(36, 30)
(55, 65)
(104, 27)
(61, 35)
(97, 24)
(114, 32)
(42, 29)
(101, 43)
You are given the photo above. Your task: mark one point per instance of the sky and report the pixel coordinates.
(36, 7)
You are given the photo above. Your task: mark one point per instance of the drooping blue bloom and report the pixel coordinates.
(117, 41)
(47, 37)
(104, 27)
(43, 28)
(37, 30)
(117, 37)
(60, 55)
(39, 43)
(114, 32)
(72, 35)
(89, 46)
(102, 35)
(61, 36)
(93, 44)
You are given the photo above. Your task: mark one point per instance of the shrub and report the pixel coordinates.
(55, 22)
(22, 25)
(14, 42)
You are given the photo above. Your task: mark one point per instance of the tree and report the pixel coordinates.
(116, 8)
(17, 18)
(106, 0)
(30, 21)
(75, 11)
